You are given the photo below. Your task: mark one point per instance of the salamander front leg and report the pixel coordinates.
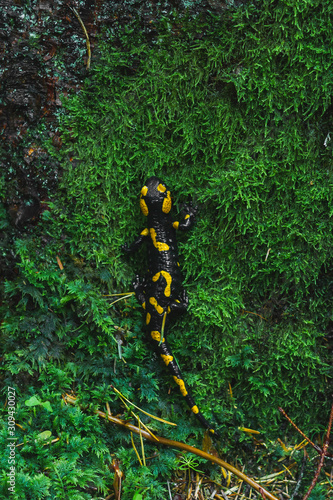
(139, 287)
(190, 212)
(126, 248)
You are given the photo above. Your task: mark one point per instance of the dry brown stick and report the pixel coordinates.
(191, 449)
(323, 455)
(317, 448)
(181, 446)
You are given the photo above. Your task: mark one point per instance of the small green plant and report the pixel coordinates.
(188, 463)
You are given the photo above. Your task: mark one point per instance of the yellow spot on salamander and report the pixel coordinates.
(157, 336)
(167, 203)
(161, 247)
(166, 359)
(144, 208)
(154, 303)
(148, 317)
(181, 384)
(176, 224)
(144, 190)
(195, 409)
(187, 216)
(161, 188)
(168, 280)
(145, 232)
(144, 305)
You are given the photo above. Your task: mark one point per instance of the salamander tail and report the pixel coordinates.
(165, 352)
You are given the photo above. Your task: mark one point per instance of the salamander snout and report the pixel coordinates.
(155, 196)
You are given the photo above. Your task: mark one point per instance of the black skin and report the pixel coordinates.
(160, 292)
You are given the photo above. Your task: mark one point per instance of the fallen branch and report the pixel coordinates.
(323, 452)
(181, 446)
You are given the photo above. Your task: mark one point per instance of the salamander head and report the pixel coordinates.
(155, 196)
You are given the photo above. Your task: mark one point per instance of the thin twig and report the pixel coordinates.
(262, 493)
(317, 448)
(323, 455)
(301, 473)
(169, 490)
(256, 314)
(85, 32)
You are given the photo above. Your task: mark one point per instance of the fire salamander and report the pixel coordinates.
(160, 292)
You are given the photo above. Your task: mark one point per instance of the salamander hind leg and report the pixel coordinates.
(139, 288)
(180, 304)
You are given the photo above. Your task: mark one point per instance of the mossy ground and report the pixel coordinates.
(232, 111)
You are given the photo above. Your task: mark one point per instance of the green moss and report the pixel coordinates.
(232, 112)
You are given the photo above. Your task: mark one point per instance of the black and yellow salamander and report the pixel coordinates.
(160, 292)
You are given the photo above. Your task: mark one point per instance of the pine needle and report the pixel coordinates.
(121, 298)
(86, 34)
(142, 445)
(143, 411)
(162, 329)
(136, 451)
